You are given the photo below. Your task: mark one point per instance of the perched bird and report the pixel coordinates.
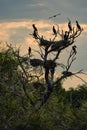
(35, 35)
(35, 29)
(74, 49)
(54, 31)
(78, 26)
(54, 16)
(29, 51)
(70, 26)
(66, 35)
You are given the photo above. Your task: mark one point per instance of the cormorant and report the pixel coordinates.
(54, 31)
(29, 51)
(54, 15)
(74, 49)
(35, 29)
(78, 26)
(35, 34)
(66, 35)
(69, 26)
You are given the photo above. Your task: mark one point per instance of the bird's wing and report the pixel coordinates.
(50, 17)
(58, 14)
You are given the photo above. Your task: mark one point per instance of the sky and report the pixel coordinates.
(17, 17)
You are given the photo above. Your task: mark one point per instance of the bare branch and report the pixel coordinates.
(80, 78)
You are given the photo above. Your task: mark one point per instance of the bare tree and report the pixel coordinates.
(55, 47)
(34, 68)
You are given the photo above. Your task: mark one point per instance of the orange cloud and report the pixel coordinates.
(41, 25)
(8, 29)
(74, 81)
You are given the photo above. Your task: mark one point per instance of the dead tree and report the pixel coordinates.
(33, 68)
(51, 46)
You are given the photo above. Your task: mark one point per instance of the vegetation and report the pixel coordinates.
(31, 98)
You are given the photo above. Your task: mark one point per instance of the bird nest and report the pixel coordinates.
(45, 42)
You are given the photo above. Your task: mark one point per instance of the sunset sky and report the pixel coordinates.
(17, 17)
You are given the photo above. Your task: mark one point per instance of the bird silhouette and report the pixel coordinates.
(78, 26)
(29, 51)
(54, 31)
(54, 16)
(74, 49)
(70, 26)
(66, 35)
(35, 35)
(34, 27)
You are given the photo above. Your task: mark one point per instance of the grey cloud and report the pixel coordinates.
(41, 9)
(14, 9)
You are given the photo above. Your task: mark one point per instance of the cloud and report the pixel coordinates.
(7, 29)
(18, 32)
(21, 9)
(45, 27)
(38, 4)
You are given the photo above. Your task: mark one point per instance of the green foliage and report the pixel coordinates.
(64, 110)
